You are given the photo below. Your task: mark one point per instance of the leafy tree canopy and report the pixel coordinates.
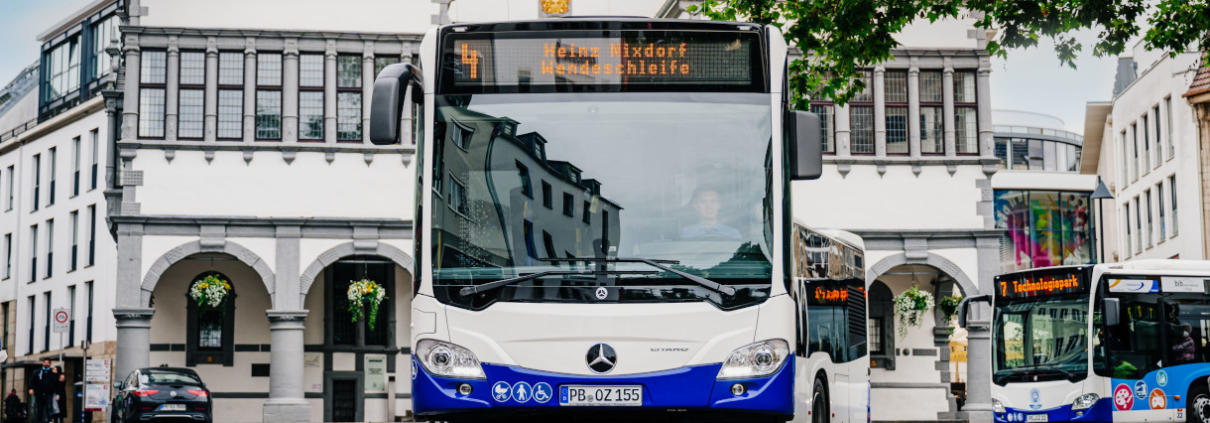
(840, 38)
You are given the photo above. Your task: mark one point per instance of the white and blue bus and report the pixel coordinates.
(1124, 342)
(603, 227)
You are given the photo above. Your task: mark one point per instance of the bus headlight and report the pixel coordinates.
(1085, 401)
(448, 360)
(755, 360)
(997, 406)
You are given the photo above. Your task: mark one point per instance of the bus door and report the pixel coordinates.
(1143, 381)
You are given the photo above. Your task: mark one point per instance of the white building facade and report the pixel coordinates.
(908, 167)
(54, 172)
(244, 155)
(1149, 157)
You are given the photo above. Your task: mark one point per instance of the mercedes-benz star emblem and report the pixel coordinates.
(173, 393)
(601, 358)
(602, 293)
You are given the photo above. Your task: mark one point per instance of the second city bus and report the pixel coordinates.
(1124, 342)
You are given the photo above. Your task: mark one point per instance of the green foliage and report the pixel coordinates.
(949, 306)
(841, 38)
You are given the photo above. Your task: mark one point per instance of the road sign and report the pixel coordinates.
(96, 370)
(62, 320)
(96, 396)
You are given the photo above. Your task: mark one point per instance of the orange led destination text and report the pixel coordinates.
(649, 60)
(471, 58)
(1046, 285)
(831, 295)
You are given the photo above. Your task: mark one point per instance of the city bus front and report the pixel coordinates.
(601, 220)
(1040, 338)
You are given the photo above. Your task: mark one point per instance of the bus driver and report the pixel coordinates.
(706, 202)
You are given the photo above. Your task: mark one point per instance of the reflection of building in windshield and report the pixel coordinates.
(499, 202)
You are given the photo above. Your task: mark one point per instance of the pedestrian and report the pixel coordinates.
(14, 410)
(42, 389)
(60, 394)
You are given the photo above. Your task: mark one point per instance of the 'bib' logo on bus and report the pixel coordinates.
(1123, 398)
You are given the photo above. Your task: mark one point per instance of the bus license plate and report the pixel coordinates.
(1037, 418)
(172, 407)
(592, 395)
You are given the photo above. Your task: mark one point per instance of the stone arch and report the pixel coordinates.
(943, 264)
(241, 253)
(345, 250)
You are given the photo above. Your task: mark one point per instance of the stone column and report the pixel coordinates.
(250, 90)
(367, 89)
(134, 340)
(130, 103)
(289, 92)
(879, 93)
(170, 94)
(978, 352)
(842, 131)
(983, 93)
(211, 118)
(330, 92)
(947, 101)
(914, 122)
(287, 402)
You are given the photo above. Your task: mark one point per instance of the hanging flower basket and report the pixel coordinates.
(365, 292)
(211, 291)
(910, 308)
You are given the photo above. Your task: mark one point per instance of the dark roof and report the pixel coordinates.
(1201, 81)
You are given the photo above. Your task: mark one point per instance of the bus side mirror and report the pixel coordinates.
(386, 108)
(806, 152)
(964, 305)
(1113, 311)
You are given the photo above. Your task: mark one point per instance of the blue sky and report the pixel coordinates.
(1029, 79)
(23, 21)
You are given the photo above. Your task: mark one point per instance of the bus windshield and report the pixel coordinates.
(536, 182)
(1041, 338)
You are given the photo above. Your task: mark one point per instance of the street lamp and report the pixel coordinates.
(1101, 193)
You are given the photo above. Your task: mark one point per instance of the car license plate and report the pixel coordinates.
(172, 407)
(1037, 418)
(596, 396)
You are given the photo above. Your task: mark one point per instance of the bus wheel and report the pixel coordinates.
(819, 404)
(1198, 405)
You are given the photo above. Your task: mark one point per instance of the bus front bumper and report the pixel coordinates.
(1101, 411)
(692, 389)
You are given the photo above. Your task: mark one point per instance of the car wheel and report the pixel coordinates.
(1198, 403)
(819, 403)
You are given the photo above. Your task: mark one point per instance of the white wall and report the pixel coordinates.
(1169, 77)
(18, 221)
(896, 200)
(269, 187)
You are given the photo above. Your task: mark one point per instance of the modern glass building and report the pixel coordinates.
(1040, 199)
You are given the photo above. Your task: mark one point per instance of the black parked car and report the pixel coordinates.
(162, 393)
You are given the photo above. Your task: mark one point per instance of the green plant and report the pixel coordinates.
(210, 291)
(910, 308)
(949, 306)
(365, 292)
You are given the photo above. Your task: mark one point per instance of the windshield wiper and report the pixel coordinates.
(472, 290)
(658, 264)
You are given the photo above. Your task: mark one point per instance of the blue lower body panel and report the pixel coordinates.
(515, 389)
(1102, 411)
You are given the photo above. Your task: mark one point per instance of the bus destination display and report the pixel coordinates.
(1034, 285)
(624, 61)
